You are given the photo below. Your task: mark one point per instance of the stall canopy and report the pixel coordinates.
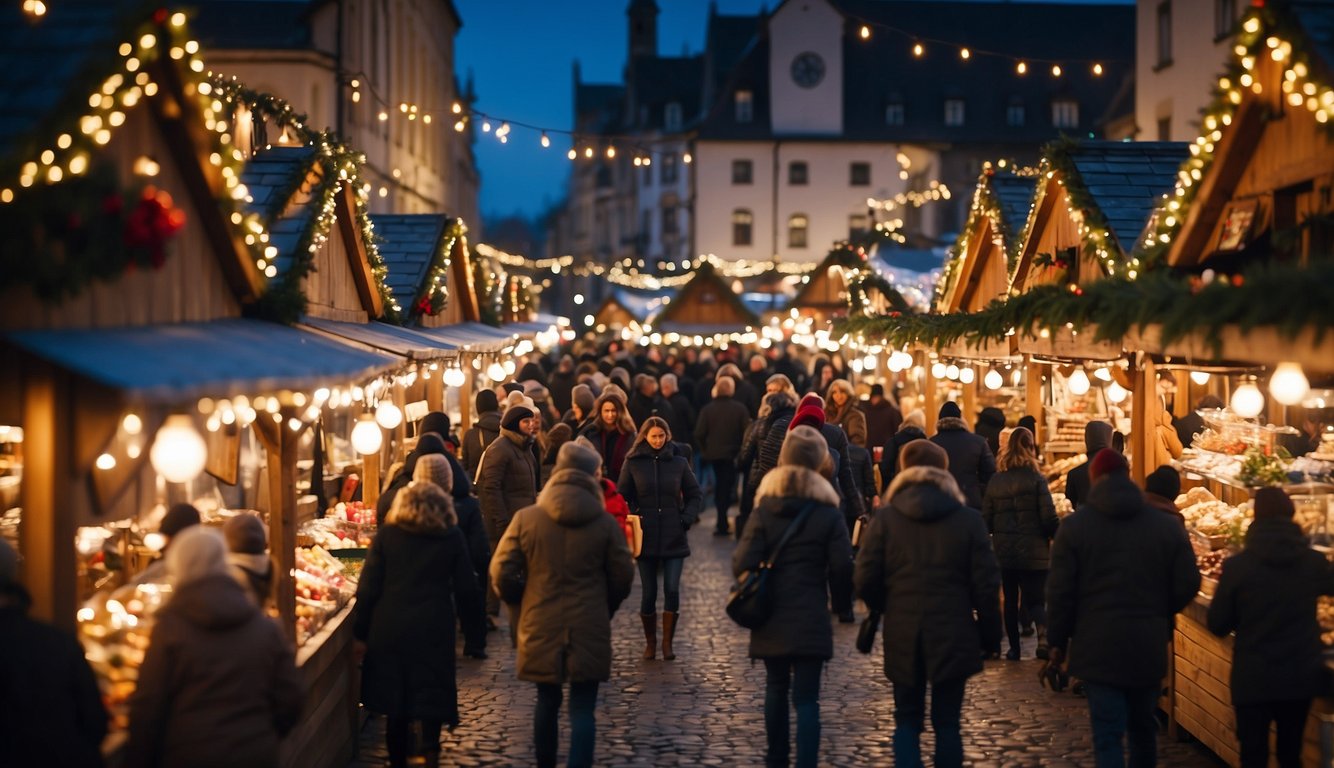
(428, 268)
(172, 364)
(474, 337)
(705, 306)
(407, 342)
(989, 244)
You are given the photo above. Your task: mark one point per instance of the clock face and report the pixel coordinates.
(807, 69)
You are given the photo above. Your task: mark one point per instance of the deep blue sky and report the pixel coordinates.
(521, 54)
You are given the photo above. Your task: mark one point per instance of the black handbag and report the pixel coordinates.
(866, 634)
(750, 604)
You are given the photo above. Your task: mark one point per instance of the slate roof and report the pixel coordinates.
(49, 67)
(597, 106)
(408, 242)
(1014, 197)
(271, 177)
(883, 70)
(727, 40)
(1127, 179)
(253, 24)
(656, 81)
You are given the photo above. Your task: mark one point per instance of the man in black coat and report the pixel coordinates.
(480, 435)
(719, 432)
(882, 417)
(1097, 435)
(926, 561)
(971, 461)
(1120, 572)
(912, 428)
(1267, 594)
(562, 380)
(683, 413)
(647, 402)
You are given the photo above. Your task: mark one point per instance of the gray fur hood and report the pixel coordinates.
(952, 424)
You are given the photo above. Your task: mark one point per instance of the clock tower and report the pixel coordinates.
(643, 15)
(806, 68)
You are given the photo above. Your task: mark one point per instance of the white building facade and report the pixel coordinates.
(1182, 47)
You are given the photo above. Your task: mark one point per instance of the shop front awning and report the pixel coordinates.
(396, 340)
(474, 337)
(176, 363)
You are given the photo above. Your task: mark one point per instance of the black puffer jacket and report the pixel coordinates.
(837, 440)
(971, 460)
(721, 429)
(1022, 519)
(889, 462)
(1120, 572)
(926, 561)
(1268, 594)
(770, 443)
(815, 563)
(476, 439)
(660, 487)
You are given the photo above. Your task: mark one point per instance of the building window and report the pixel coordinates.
(894, 113)
(797, 173)
(743, 172)
(669, 221)
(954, 112)
(1065, 113)
(745, 106)
(859, 174)
(1225, 18)
(1014, 115)
(1165, 33)
(669, 168)
(797, 224)
(647, 170)
(742, 220)
(671, 116)
(857, 225)
(646, 227)
(1165, 129)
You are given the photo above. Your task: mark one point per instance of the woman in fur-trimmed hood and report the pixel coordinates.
(816, 562)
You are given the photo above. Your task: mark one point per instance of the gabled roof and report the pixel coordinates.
(409, 245)
(1013, 195)
(727, 40)
(656, 81)
(734, 314)
(1126, 179)
(597, 106)
(1000, 209)
(273, 176)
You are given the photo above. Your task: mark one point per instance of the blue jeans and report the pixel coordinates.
(910, 721)
(801, 676)
(1118, 713)
(671, 583)
(546, 723)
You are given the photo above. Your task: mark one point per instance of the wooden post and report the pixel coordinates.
(280, 445)
(400, 434)
(435, 390)
(929, 407)
(46, 534)
(466, 394)
(970, 397)
(1033, 396)
(370, 479)
(1182, 403)
(1142, 413)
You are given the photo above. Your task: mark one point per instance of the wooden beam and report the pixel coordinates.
(1049, 198)
(466, 394)
(929, 407)
(970, 396)
(1142, 411)
(1033, 396)
(461, 286)
(435, 391)
(46, 534)
(280, 445)
(345, 212)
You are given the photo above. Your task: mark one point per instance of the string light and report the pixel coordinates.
(1056, 70)
(1021, 68)
(965, 54)
(918, 50)
(546, 141)
(866, 32)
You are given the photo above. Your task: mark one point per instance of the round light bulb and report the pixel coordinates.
(1200, 377)
(1103, 374)
(993, 379)
(1288, 385)
(366, 437)
(967, 375)
(105, 462)
(1078, 382)
(952, 372)
(454, 377)
(509, 367)
(1116, 393)
(388, 415)
(179, 452)
(937, 370)
(495, 372)
(132, 424)
(1247, 401)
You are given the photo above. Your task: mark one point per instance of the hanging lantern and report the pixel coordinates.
(454, 377)
(1078, 382)
(937, 370)
(1200, 377)
(178, 452)
(1288, 385)
(952, 372)
(1103, 374)
(1116, 393)
(967, 375)
(1247, 401)
(366, 437)
(388, 415)
(993, 379)
(495, 372)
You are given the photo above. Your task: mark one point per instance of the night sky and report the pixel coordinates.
(521, 54)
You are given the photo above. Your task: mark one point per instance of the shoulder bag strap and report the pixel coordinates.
(789, 533)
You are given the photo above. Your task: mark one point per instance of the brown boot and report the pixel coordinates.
(650, 621)
(668, 632)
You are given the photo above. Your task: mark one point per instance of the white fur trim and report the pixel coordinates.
(941, 478)
(797, 481)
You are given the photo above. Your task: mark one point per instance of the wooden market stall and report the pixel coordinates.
(706, 306)
(823, 295)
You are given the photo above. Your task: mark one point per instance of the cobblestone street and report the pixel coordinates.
(705, 708)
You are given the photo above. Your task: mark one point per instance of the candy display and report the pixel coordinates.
(322, 589)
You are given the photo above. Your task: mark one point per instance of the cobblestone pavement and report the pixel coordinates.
(705, 708)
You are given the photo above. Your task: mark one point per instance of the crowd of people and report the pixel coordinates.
(582, 471)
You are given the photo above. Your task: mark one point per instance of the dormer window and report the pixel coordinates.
(954, 112)
(894, 113)
(745, 106)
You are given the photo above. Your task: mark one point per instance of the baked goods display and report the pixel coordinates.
(1065, 432)
(1324, 613)
(322, 589)
(1063, 505)
(349, 525)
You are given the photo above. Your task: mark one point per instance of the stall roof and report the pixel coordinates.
(408, 245)
(530, 329)
(473, 337)
(1126, 179)
(393, 339)
(701, 329)
(171, 364)
(272, 176)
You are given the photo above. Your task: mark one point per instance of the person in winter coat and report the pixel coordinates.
(719, 433)
(53, 709)
(581, 411)
(646, 401)
(612, 433)
(1267, 594)
(811, 411)
(659, 486)
(883, 418)
(1165, 445)
(927, 563)
(797, 639)
(1120, 572)
(1193, 423)
(746, 392)
(863, 472)
(561, 382)
(219, 684)
(506, 480)
(617, 507)
(683, 412)
(248, 558)
(1021, 516)
(1161, 489)
(971, 461)
(1097, 435)
(481, 434)
(431, 432)
(840, 409)
(565, 564)
(417, 570)
(913, 428)
(990, 424)
(559, 435)
(757, 457)
(435, 469)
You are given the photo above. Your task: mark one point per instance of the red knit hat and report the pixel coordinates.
(1107, 462)
(809, 414)
(811, 399)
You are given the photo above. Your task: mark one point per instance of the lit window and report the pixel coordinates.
(742, 221)
(745, 106)
(1065, 113)
(797, 224)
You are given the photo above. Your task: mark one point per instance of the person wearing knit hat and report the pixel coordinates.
(247, 555)
(514, 417)
(428, 444)
(950, 410)
(798, 639)
(508, 477)
(1097, 435)
(510, 387)
(486, 401)
(217, 661)
(971, 459)
(1267, 594)
(480, 435)
(580, 411)
(1111, 559)
(912, 428)
(1161, 489)
(926, 562)
(808, 415)
(434, 469)
(177, 519)
(579, 455)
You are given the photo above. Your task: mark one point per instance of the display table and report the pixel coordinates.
(327, 732)
(1202, 699)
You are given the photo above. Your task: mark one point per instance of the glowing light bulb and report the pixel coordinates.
(388, 415)
(993, 379)
(967, 375)
(1200, 377)
(1116, 393)
(366, 437)
(952, 372)
(178, 452)
(1078, 382)
(938, 370)
(1247, 401)
(1288, 385)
